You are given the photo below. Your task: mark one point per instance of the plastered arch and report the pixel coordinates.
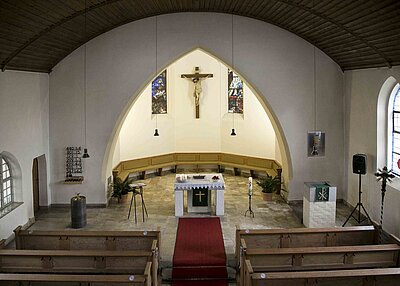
(286, 160)
(382, 143)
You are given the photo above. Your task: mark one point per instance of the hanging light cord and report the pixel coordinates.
(315, 75)
(84, 65)
(315, 93)
(233, 59)
(156, 45)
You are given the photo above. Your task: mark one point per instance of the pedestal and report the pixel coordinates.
(319, 211)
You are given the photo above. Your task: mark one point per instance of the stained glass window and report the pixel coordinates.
(6, 191)
(159, 94)
(396, 133)
(235, 93)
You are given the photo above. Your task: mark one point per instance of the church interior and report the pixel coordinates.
(199, 142)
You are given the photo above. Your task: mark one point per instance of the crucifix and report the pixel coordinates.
(200, 194)
(196, 78)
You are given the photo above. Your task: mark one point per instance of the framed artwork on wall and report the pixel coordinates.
(316, 144)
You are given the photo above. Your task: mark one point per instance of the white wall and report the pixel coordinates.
(24, 131)
(209, 133)
(361, 90)
(276, 63)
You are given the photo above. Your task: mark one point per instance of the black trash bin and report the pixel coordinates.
(78, 211)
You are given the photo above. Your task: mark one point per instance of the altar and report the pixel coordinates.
(199, 189)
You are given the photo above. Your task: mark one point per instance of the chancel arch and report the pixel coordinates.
(258, 131)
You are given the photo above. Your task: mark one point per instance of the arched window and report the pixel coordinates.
(6, 184)
(394, 130)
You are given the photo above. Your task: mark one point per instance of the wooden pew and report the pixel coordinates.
(364, 277)
(321, 258)
(85, 240)
(12, 279)
(74, 261)
(91, 240)
(305, 237)
(78, 262)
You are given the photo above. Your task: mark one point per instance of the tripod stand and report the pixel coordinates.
(359, 205)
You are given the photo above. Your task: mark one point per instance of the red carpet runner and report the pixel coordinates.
(199, 257)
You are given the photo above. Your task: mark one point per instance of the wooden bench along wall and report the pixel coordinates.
(364, 277)
(238, 162)
(305, 237)
(12, 279)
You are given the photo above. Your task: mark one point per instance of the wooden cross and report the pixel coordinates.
(200, 194)
(196, 78)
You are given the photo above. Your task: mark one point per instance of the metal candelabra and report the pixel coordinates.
(250, 211)
(385, 176)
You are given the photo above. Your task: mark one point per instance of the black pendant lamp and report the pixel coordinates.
(156, 130)
(233, 133)
(85, 150)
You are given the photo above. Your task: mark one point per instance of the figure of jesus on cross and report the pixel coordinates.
(196, 78)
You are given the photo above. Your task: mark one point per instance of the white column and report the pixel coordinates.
(178, 202)
(219, 202)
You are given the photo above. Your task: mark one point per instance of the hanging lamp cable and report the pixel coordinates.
(315, 73)
(156, 70)
(85, 151)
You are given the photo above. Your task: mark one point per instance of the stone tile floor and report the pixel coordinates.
(159, 199)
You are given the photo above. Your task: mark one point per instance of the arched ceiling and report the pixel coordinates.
(36, 34)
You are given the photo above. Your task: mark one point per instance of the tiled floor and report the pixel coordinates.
(159, 198)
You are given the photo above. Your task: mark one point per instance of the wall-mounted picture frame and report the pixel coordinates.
(315, 144)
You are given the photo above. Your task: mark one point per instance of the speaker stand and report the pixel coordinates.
(359, 205)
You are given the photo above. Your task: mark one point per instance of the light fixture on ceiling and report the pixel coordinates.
(85, 150)
(233, 133)
(156, 130)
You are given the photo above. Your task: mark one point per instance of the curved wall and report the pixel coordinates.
(180, 131)
(276, 63)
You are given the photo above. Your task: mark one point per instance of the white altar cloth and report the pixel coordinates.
(191, 183)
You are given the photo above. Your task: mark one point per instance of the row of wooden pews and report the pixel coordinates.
(70, 257)
(325, 256)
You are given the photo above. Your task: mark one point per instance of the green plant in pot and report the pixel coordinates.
(121, 188)
(268, 186)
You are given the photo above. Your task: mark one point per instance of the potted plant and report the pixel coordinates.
(121, 189)
(268, 185)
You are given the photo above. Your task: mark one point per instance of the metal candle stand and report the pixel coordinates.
(385, 176)
(250, 211)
